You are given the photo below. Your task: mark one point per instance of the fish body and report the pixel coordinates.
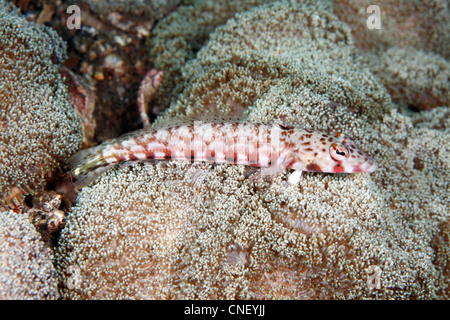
(257, 145)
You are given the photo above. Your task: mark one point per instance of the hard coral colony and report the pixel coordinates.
(211, 228)
(39, 126)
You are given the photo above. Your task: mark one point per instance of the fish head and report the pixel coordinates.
(332, 153)
(348, 158)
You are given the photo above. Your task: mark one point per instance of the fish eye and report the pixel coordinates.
(338, 152)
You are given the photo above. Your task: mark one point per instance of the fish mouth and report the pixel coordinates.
(369, 166)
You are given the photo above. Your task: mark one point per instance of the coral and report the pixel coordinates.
(179, 230)
(441, 246)
(414, 77)
(26, 270)
(39, 125)
(421, 24)
(437, 118)
(177, 38)
(190, 231)
(293, 59)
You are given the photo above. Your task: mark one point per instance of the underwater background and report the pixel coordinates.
(74, 74)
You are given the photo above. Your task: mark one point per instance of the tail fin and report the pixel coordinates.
(86, 165)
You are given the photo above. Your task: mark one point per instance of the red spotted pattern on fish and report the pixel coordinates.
(257, 145)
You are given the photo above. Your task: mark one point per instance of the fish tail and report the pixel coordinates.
(87, 164)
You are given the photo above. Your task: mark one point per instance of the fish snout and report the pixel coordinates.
(368, 166)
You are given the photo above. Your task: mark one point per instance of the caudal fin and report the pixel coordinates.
(86, 165)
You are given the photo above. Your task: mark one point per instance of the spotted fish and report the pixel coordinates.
(257, 145)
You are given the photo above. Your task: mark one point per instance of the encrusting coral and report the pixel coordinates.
(421, 24)
(26, 270)
(297, 53)
(408, 51)
(177, 38)
(178, 230)
(414, 77)
(39, 126)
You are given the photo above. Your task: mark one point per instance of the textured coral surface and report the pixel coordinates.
(180, 230)
(26, 269)
(39, 126)
(421, 24)
(177, 230)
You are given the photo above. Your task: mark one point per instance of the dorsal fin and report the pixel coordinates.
(163, 123)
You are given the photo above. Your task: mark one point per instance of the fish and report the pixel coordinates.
(265, 146)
